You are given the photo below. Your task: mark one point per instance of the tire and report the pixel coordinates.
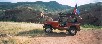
(72, 31)
(48, 30)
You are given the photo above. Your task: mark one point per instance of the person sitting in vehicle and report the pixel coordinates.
(48, 19)
(72, 19)
(63, 21)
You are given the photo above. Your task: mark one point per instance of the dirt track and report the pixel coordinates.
(82, 37)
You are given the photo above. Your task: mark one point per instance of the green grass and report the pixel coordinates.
(35, 32)
(90, 27)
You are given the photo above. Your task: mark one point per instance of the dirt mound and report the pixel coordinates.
(82, 37)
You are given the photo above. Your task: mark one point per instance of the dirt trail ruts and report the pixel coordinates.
(82, 37)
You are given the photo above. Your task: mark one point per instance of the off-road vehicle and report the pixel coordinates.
(68, 22)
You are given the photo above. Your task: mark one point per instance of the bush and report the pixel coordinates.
(90, 26)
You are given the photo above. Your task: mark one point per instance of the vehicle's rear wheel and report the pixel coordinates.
(48, 30)
(72, 31)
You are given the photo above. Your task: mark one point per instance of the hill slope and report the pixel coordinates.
(30, 11)
(51, 6)
(92, 13)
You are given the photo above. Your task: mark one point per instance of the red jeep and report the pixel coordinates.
(68, 22)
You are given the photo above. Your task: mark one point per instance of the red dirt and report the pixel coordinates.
(82, 37)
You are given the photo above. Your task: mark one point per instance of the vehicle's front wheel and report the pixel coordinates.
(72, 31)
(48, 30)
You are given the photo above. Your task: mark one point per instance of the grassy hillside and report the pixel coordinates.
(28, 11)
(92, 13)
(14, 28)
(51, 6)
(11, 32)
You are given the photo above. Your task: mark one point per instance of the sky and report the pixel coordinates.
(64, 2)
